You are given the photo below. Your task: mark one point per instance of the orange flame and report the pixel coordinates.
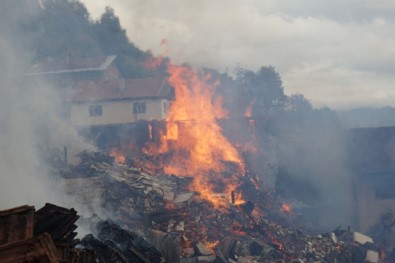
(238, 198)
(248, 112)
(169, 205)
(154, 62)
(236, 229)
(150, 131)
(199, 148)
(211, 245)
(286, 208)
(118, 157)
(278, 244)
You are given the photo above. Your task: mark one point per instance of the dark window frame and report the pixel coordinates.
(95, 110)
(139, 107)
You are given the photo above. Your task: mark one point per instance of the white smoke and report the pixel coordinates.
(29, 123)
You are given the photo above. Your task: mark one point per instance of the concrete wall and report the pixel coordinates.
(117, 112)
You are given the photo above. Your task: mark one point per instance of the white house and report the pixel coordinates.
(120, 101)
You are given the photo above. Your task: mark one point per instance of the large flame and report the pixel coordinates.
(199, 148)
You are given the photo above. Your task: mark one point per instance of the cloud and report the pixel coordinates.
(337, 53)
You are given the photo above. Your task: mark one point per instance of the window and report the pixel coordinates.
(95, 110)
(139, 107)
(165, 107)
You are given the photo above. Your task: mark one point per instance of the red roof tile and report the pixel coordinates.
(153, 87)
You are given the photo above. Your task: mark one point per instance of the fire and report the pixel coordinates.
(236, 229)
(248, 112)
(150, 131)
(278, 244)
(199, 148)
(286, 208)
(238, 198)
(257, 213)
(155, 62)
(170, 205)
(118, 157)
(211, 245)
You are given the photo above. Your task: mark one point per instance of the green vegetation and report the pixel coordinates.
(63, 28)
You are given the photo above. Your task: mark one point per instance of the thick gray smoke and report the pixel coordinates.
(302, 153)
(313, 156)
(29, 123)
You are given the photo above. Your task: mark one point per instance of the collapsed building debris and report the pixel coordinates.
(114, 244)
(46, 235)
(186, 228)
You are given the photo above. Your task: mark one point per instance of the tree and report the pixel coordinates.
(113, 40)
(298, 103)
(61, 29)
(262, 89)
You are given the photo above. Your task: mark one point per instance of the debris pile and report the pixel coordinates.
(186, 228)
(46, 235)
(114, 244)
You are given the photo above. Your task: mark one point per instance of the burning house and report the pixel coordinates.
(190, 190)
(120, 101)
(96, 99)
(190, 194)
(184, 172)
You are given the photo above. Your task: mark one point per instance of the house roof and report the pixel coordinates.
(102, 90)
(71, 65)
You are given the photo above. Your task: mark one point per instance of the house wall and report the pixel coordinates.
(369, 208)
(117, 112)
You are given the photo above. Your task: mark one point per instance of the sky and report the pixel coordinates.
(338, 53)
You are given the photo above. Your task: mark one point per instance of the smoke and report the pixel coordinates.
(337, 54)
(298, 152)
(367, 117)
(29, 122)
(314, 155)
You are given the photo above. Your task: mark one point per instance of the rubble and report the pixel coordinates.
(46, 235)
(203, 250)
(372, 256)
(184, 228)
(163, 221)
(361, 238)
(85, 196)
(116, 243)
(16, 224)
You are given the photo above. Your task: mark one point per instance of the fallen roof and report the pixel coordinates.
(102, 90)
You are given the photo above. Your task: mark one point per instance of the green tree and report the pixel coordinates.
(262, 89)
(61, 29)
(112, 39)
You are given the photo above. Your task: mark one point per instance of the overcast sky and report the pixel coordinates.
(338, 53)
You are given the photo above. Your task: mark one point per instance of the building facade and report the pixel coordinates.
(117, 102)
